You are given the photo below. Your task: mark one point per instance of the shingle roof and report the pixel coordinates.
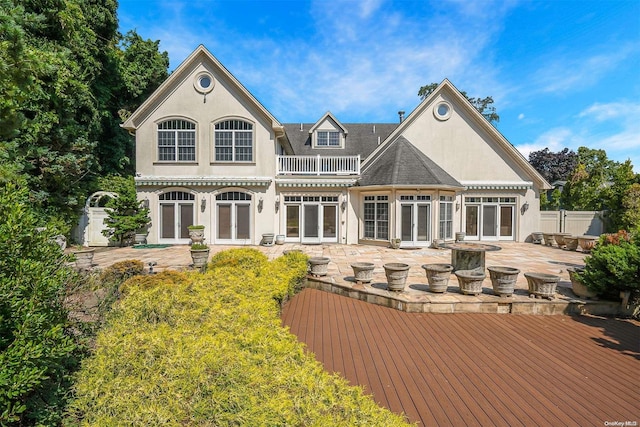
(362, 138)
(403, 164)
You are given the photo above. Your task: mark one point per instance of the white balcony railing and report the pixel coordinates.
(318, 165)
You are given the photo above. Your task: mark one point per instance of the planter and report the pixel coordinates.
(199, 257)
(140, 238)
(470, 281)
(437, 243)
(395, 243)
(280, 239)
(503, 280)
(460, 235)
(536, 237)
(548, 238)
(196, 233)
(579, 288)
(318, 266)
(559, 238)
(572, 243)
(396, 273)
(438, 276)
(267, 239)
(84, 259)
(542, 284)
(363, 271)
(587, 242)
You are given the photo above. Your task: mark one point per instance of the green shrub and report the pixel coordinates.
(614, 265)
(245, 258)
(122, 270)
(210, 350)
(36, 353)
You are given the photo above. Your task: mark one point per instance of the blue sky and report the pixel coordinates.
(562, 73)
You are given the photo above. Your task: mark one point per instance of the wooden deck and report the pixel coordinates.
(476, 369)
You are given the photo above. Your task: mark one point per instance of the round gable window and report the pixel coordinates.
(442, 110)
(204, 83)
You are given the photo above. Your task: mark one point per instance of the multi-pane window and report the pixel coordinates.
(376, 217)
(328, 139)
(177, 141)
(233, 141)
(446, 217)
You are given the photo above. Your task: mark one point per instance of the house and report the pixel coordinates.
(207, 152)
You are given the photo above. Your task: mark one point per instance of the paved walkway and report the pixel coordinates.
(524, 256)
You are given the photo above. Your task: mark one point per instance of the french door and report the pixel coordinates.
(233, 218)
(177, 213)
(489, 218)
(311, 219)
(415, 224)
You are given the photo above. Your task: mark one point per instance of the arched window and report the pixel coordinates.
(177, 141)
(233, 141)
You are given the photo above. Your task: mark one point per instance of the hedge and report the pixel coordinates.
(209, 349)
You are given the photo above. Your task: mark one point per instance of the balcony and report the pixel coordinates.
(318, 165)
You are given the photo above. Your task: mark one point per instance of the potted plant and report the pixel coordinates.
(126, 214)
(199, 255)
(84, 257)
(362, 271)
(438, 276)
(196, 233)
(396, 273)
(318, 266)
(503, 280)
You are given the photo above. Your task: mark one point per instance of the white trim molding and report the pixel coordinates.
(201, 181)
(505, 185)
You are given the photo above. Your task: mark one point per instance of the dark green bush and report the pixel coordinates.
(614, 265)
(36, 353)
(209, 349)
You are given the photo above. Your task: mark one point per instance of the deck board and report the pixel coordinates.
(476, 369)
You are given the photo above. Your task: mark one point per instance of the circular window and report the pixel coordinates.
(204, 83)
(442, 110)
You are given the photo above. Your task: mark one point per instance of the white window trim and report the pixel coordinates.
(316, 139)
(176, 146)
(233, 160)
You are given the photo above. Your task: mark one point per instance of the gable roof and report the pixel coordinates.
(362, 139)
(402, 164)
(201, 54)
(451, 90)
(329, 115)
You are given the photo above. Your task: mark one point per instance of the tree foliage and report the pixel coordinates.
(65, 73)
(35, 351)
(483, 105)
(126, 215)
(554, 166)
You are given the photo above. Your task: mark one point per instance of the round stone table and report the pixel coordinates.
(468, 256)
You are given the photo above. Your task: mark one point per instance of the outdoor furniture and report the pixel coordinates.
(469, 256)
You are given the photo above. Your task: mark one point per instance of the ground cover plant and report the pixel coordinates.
(188, 348)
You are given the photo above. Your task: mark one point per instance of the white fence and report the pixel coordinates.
(578, 223)
(318, 165)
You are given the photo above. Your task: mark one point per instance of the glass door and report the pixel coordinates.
(471, 222)
(175, 218)
(330, 223)
(415, 224)
(506, 221)
(490, 222)
(310, 228)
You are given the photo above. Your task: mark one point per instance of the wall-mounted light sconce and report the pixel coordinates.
(145, 203)
(203, 204)
(260, 205)
(277, 203)
(457, 206)
(343, 206)
(524, 208)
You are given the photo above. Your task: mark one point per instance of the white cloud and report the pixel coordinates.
(520, 116)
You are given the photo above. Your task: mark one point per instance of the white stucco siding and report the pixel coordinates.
(185, 102)
(461, 147)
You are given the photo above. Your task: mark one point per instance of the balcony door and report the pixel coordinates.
(415, 221)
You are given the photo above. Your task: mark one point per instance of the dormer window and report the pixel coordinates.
(328, 138)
